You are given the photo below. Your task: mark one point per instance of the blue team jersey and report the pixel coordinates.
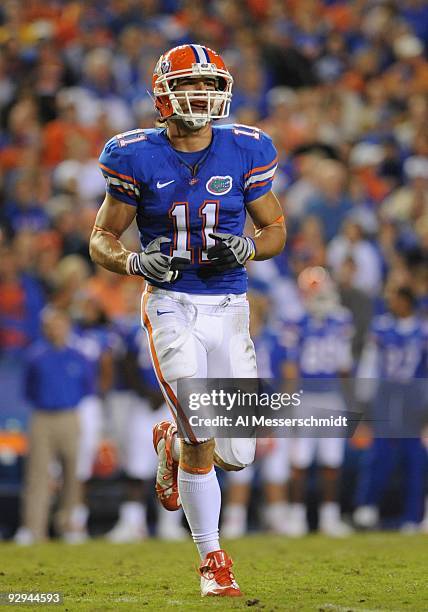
(92, 342)
(187, 204)
(320, 347)
(56, 378)
(136, 343)
(270, 354)
(402, 346)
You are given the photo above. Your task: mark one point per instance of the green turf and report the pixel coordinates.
(365, 572)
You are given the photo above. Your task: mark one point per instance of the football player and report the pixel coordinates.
(189, 185)
(146, 406)
(318, 353)
(396, 356)
(94, 339)
(272, 453)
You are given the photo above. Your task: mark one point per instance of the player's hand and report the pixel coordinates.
(230, 251)
(154, 265)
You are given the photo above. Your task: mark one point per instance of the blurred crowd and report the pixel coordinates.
(340, 86)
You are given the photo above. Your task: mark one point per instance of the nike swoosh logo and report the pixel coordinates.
(159, 313)
(160, 185)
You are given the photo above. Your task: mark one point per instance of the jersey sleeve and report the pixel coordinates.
(116, 165)
(279, 350)
(378, 327)
(261, 167)
(131, 341)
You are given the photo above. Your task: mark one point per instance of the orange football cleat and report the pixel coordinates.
(217, 579)
(166, 478)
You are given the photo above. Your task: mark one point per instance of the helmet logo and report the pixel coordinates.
(219, 185)
(165, 66)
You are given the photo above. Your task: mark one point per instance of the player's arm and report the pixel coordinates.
(105, 248)
(268, 219)
(233, 251)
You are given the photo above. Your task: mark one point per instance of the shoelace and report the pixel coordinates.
(224, 577)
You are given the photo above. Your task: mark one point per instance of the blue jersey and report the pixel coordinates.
(270, 354)
(187, 204)
(401, 346)
(321, 348)
(56, 378)
(136, 343)
(92, 342)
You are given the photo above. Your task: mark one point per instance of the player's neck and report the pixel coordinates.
(186, 140)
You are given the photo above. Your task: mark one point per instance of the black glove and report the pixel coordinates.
(230, 252)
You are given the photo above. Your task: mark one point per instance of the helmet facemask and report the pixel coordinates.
(216, 102)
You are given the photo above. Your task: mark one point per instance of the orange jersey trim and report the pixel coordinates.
(260, 168)
(122, 176)
(260, 184)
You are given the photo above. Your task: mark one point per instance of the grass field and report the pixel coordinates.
(365, 572)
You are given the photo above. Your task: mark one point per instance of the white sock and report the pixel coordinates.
(175, 448)
(235, 512)
(165, 517)
(79, 517)
(298, 512)
(276, 513)
(329, 512)
(201, 498)
(133, 513)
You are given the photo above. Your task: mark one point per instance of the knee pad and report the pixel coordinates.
(236, 452)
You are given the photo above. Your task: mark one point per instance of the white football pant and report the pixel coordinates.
(200, 336)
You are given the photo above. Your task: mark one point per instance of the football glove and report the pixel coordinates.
(230, 251)
(154, 265)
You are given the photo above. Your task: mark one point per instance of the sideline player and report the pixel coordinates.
(272, 453)
(319, 353)
(189, 186)
(145, 406)
(396, 357)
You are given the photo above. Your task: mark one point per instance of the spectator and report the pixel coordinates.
(331, 204)
(409, 202)
(21, 300)
(351, 243)
(357, 302)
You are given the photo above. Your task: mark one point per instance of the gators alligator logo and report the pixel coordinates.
(219, 185)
